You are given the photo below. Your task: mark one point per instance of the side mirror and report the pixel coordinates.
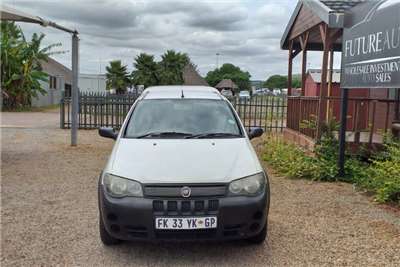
(108, 132)
(256, 132)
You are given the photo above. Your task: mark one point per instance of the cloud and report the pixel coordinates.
(221, 18)
(106, 14)
(246, 33)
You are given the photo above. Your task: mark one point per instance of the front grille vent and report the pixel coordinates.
(174, 191)
(185, 207)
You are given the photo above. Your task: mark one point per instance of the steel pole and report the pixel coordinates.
(342, 132)
(75, 89)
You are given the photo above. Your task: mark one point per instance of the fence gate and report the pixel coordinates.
(98, 110)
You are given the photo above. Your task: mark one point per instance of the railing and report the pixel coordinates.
(268, 112)
(367, 118)
(299, 110)
(97, 110)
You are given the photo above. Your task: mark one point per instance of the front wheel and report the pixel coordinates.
(259, 238)
(105, 237)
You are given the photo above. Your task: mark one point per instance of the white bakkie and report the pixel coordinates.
(182, 164)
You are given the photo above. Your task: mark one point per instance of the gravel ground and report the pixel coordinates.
(49, 213)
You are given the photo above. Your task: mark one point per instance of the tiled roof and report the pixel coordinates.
(341, 5)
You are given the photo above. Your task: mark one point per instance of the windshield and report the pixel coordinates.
(182, 118)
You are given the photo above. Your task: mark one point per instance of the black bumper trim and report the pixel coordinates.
(133, 218)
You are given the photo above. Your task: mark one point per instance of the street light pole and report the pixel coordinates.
(75, 89)
(217, 54)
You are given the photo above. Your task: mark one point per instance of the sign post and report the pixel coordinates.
(342, 133)
(370, 54)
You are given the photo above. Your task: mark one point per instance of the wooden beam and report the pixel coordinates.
(336, 35)
(330, 75)
(303, 43)
(304, 40)
(322, 30)
(289, 79)
(295, 53)
(325, 33)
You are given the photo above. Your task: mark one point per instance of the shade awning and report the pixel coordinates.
(11, 14)
(8, 13)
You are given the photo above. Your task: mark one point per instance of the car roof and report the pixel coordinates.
(176, 91)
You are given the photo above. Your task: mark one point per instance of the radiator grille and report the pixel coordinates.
(185, 207)
(174, 191)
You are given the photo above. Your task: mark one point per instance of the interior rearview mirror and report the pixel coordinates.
(256, 132)
(108, 132)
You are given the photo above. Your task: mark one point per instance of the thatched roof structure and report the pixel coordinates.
(192, 77)
(226, 84)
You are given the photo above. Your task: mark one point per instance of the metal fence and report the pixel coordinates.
(267, 112)
(97, 110)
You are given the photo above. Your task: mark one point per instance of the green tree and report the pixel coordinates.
(296, 81)
(276, 81)
(117, 77)
(21, 70)
(168, 71)
(280, 82)
(146, 71)
(171, 67)
(229, 71)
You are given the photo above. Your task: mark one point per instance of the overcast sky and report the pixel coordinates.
(245, 33)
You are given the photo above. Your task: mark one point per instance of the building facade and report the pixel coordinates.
(59, 80)
(92, 83)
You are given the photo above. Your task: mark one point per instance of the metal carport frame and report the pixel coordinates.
(10, 14)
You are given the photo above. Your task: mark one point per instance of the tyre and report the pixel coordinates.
(105, 237)
(259, 238)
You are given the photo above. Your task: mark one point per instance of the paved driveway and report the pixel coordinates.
(49, 213)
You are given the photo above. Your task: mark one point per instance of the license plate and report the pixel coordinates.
(186, 223)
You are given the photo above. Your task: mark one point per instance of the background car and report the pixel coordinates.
(227, 93)
(244, 95)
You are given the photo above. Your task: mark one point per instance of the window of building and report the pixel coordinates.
(52, 82)
(67, 89)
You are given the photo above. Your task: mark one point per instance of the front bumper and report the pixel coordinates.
(132, 218)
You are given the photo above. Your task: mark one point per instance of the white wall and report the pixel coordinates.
(92, 83)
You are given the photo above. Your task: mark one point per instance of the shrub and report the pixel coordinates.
(381, 176)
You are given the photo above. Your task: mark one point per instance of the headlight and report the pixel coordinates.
(121, 187)
(248, 186)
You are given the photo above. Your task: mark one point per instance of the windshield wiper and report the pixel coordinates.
(162, 134)
(205, 135)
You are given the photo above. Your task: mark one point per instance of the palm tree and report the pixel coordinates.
(146, 71)
(171, 67)
(117, 77)
(21, 70)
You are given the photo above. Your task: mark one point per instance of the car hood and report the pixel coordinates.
(183, 160)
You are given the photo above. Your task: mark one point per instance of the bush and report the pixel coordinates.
(381, 176)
